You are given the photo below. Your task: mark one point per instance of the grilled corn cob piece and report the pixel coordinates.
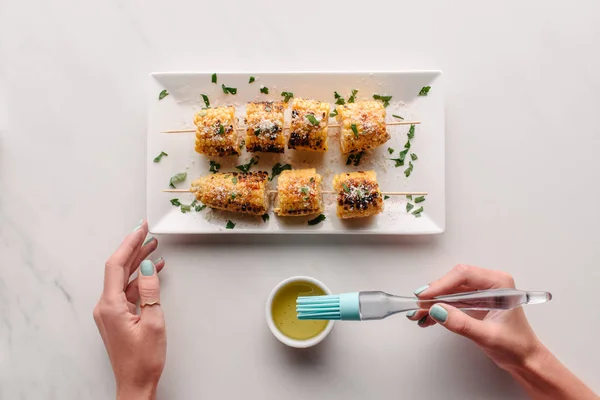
(358, 194)
(232, 191)
(363, 126)
(216, 134)
(264, 127)
(307, 133)
(299, 193)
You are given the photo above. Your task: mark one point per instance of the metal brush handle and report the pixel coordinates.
(378, 305)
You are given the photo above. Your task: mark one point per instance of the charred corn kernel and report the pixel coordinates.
(358, 194)
(217, 131)
(264, 127)
(299, 193)
(362, 126)
(232, 191)
(307, 133)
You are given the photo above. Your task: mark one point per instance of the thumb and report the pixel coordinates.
(458, 322)
(149, 288)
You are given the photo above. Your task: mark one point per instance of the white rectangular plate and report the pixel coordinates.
(177, 109)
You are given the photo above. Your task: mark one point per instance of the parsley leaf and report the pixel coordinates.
(175, 202)
(409, 207)
(200, 207)
(163, 94)
(385, 99)
(386, 197)
(287, 96)
(221, 129)
(246, 167)
(230, 225)
(214, 167)
(180, 177)
(413, 157)
(357, 158)
(409, 197)
(205, 98)
(424, 91)
(419, 199)
(407, 145)
(264, 89)
(214, 78)
(278, 169)
(185, 208)
(304, 190)
(355, 130)
(252, 79)
(397, 116)
(265, 217)
(346, 188)
(228, 90)
(158, 157)
(411, 132)
(334, 113)
(317, 220)
(399, 162)
(353, 96)
(418, 211)
(234, 180)
(311, 118)
(390, 150)
(408, 170)
(338, 99)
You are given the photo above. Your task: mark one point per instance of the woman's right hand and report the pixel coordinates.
(505, 336)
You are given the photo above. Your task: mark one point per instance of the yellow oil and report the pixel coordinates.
(283, 310)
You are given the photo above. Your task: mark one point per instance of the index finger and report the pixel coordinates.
(116, 269)
(474, 278)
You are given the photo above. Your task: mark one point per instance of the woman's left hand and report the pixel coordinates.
(136, 343)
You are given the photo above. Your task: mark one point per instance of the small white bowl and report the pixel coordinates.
(301, 344)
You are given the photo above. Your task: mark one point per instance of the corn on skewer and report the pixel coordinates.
(299, 193)
(243, 128)
(358, 194)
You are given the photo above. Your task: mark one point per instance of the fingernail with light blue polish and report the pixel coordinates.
(139, 225)
(149, 238)
(147, 268)
(421, 289)
(439, 313)
(411, 314)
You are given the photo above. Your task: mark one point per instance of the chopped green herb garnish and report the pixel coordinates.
(385, 99)
(194, 203)
(311, 118)
(407, 145)
(413, 157)
(355, 130)
(317, 220)
(304, 190)
(409, 207)
(397, 116)
(386, 197)
(390, 150)
(287, 96)
(346, 188)
(200, 207)
(234, 180)
(205, 98)
(409, 197)
(264, 89)
(185, 208)
(418, 211)
(424, 91)
(353, 96)
(338, 99)
(175, 202)
(246, 167)
(214, 78)
(221, 129)
(228, 90)
(420, 199)
(278, 169)
(180, 177)
(408, 170)
(158, 157)
(163, 94)
(334, 113)
(411, 132)
(251, 79)
(357, 158)
(233, 195)
(230, 225)
(399, 162)
(265, 217)
(214, 167)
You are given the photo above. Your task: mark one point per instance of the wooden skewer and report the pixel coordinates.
(243, 128)
(324, 192)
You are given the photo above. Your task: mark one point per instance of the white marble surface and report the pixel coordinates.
(523, 93)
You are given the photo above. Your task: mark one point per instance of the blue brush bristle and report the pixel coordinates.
(332, 307)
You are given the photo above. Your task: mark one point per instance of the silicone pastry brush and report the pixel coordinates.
(362, 306)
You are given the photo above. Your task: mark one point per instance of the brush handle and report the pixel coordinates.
(379, 305)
